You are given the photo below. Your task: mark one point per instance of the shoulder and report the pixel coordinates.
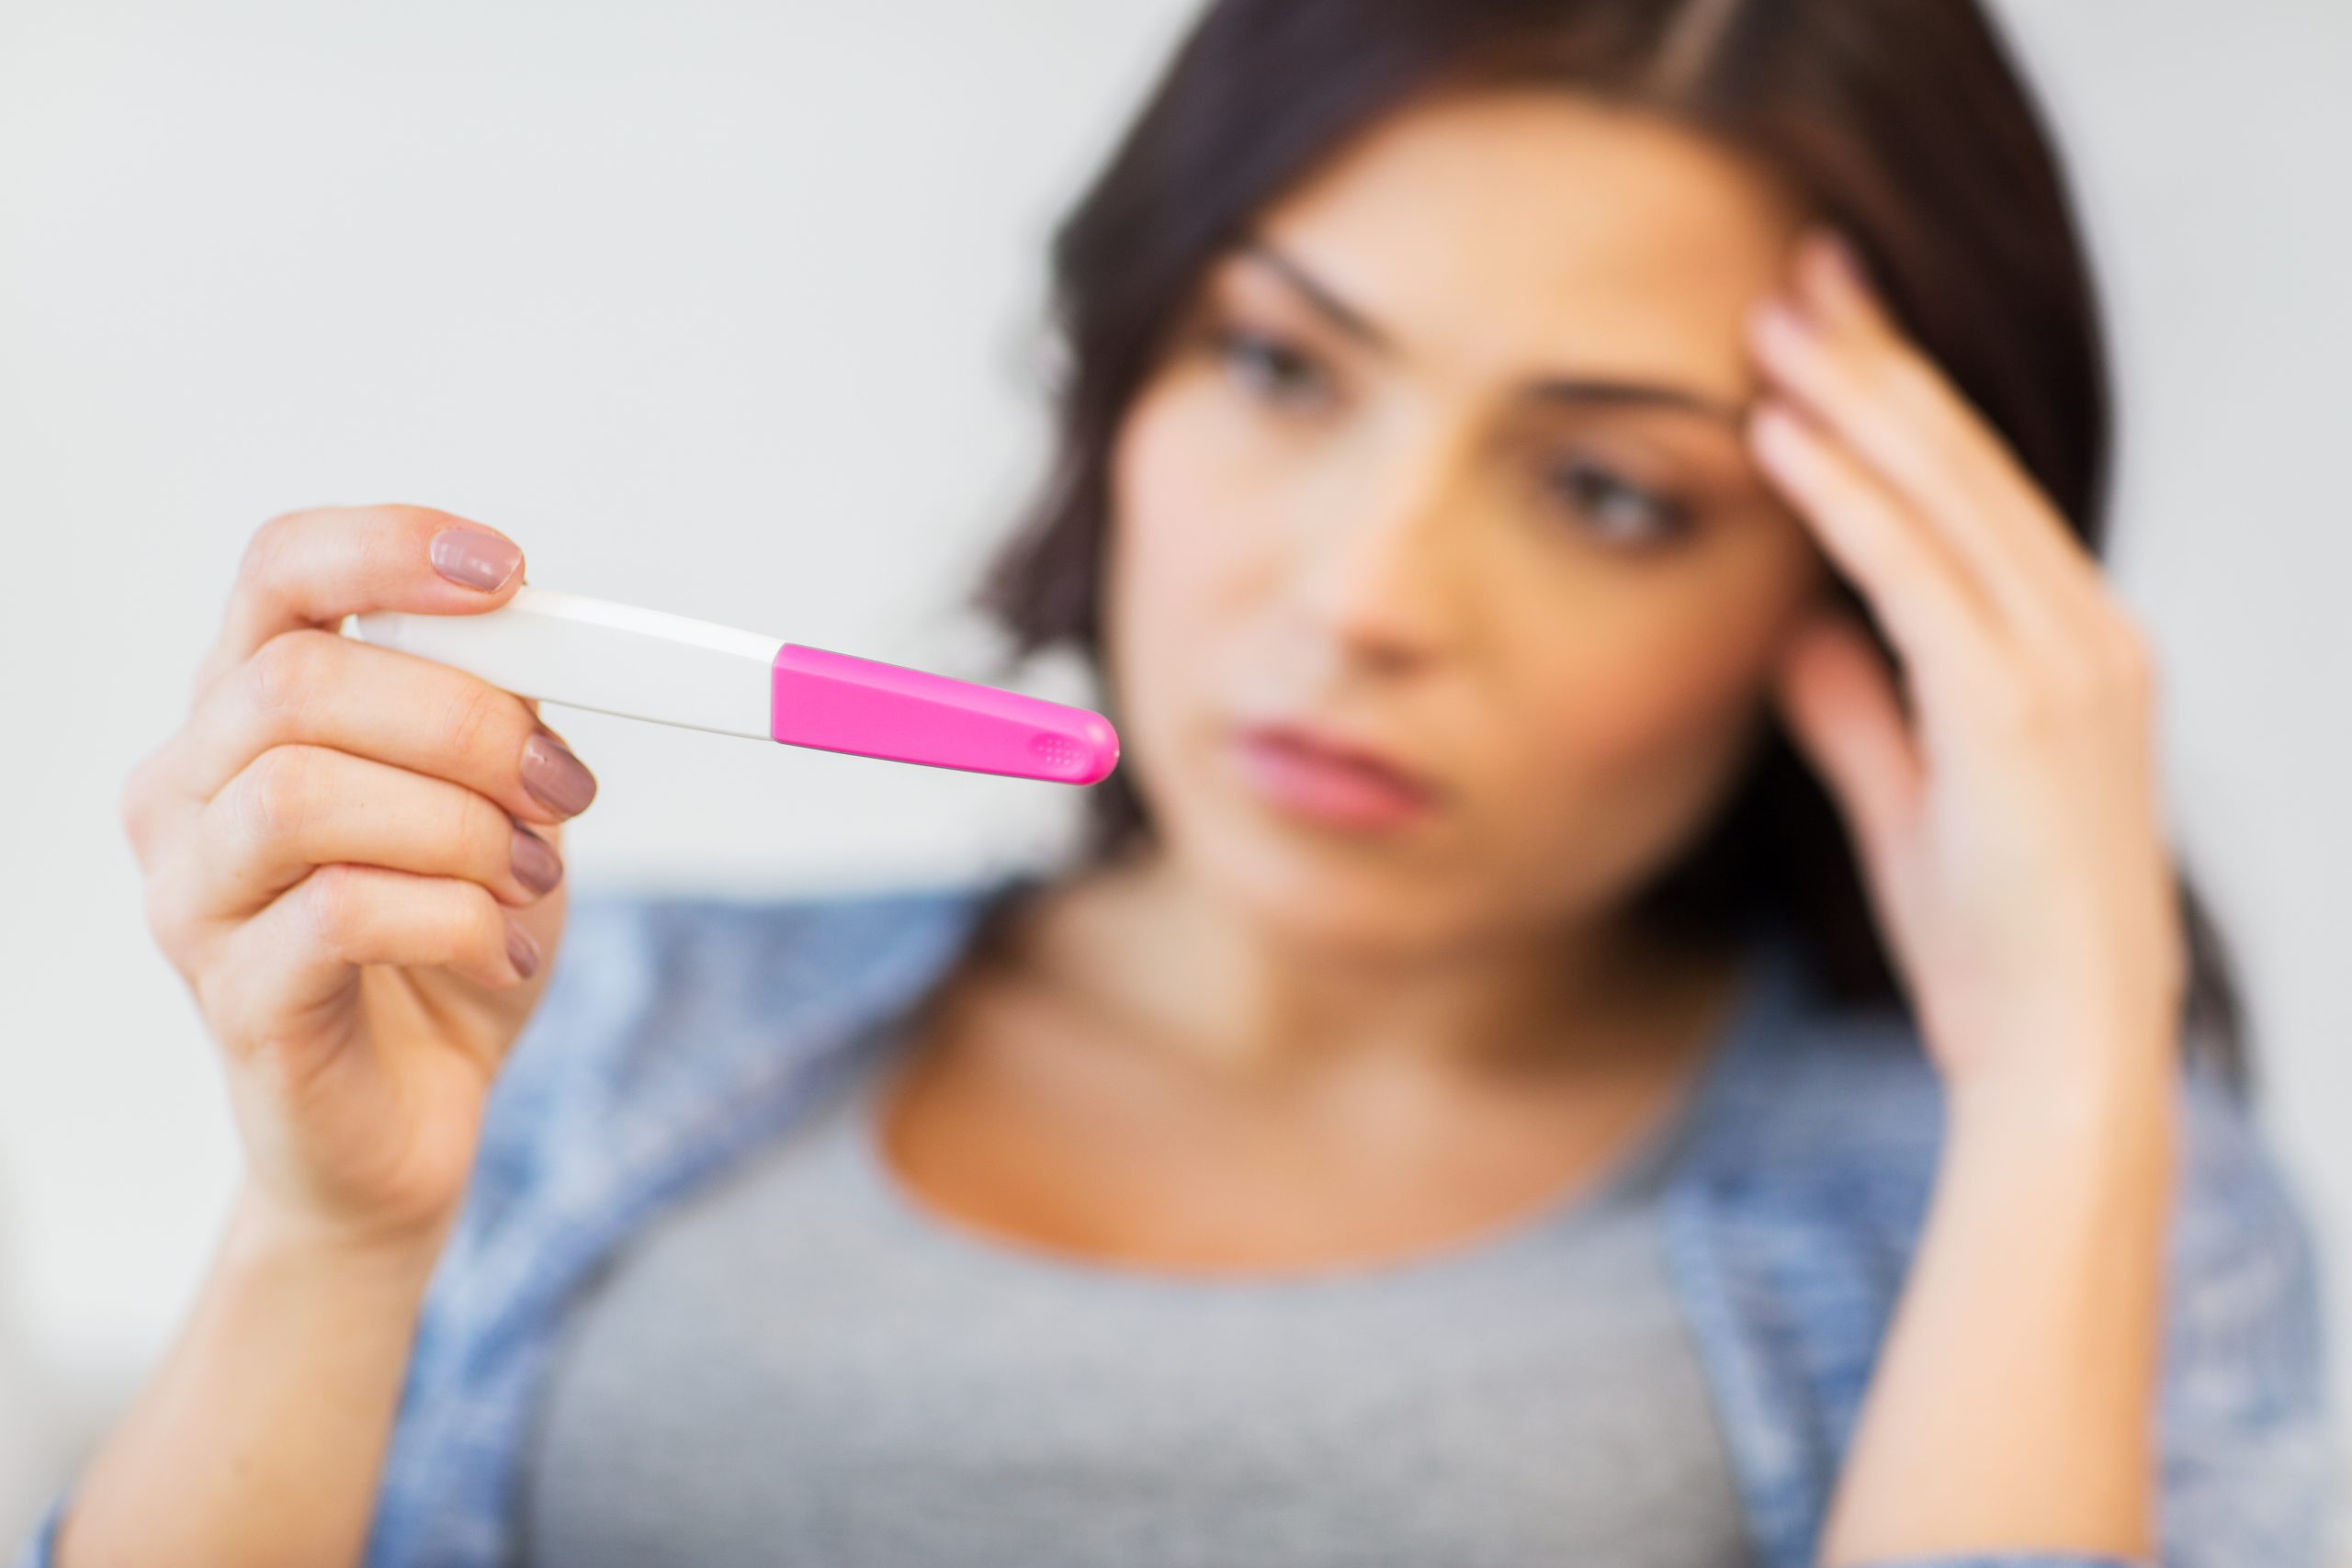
(1824, 1110)
(1847, 1102)
(717, 961)
(658, 999)
(2248, 1407)
(748, 949)
(1822, 1169)
(2241, 1236)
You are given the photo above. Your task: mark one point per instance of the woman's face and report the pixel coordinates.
(1559, 607)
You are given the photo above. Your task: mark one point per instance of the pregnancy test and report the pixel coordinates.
(647, 664)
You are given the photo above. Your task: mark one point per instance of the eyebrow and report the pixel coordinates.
(1571, 390)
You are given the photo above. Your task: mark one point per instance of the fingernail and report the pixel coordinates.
(475, 559)
(555, 777)
(521, 951)
(536, 865)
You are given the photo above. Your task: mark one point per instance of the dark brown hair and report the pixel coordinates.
(1907, 125)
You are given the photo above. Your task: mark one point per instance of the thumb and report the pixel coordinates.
(1837, 698)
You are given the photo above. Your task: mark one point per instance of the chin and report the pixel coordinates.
(1310, 888)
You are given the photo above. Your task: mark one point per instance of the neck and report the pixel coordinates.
(1156, 951)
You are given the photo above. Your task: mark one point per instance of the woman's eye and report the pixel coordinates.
(1269, 365)
(1619, 510)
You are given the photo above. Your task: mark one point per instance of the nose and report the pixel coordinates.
(1381, 568)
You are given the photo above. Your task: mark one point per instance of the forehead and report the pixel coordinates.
(1517, 232)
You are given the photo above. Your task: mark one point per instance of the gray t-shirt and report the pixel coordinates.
(801, 1363)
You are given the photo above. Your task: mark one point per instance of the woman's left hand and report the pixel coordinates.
(2008, 816)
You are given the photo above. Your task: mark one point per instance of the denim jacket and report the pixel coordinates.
(681, 1032)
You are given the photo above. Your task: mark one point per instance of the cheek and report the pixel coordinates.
(1164, 501)
(1640, 687)
(1639, 709)
(1177, 568)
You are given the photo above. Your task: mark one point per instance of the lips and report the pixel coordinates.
(1326, 747)
(1332, 780)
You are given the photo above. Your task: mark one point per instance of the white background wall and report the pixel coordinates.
(726, 309)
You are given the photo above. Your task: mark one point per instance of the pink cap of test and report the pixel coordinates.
(837, 702)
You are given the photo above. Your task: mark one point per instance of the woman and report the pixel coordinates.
(1735, 1078)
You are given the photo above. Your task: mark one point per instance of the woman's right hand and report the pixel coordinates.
(351, 856)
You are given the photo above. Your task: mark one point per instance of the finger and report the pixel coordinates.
(313, 567)
(1842, 707)
(1841, 353)
(314, 687)
(298, 807)
(306, 948)
(1932, 612)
